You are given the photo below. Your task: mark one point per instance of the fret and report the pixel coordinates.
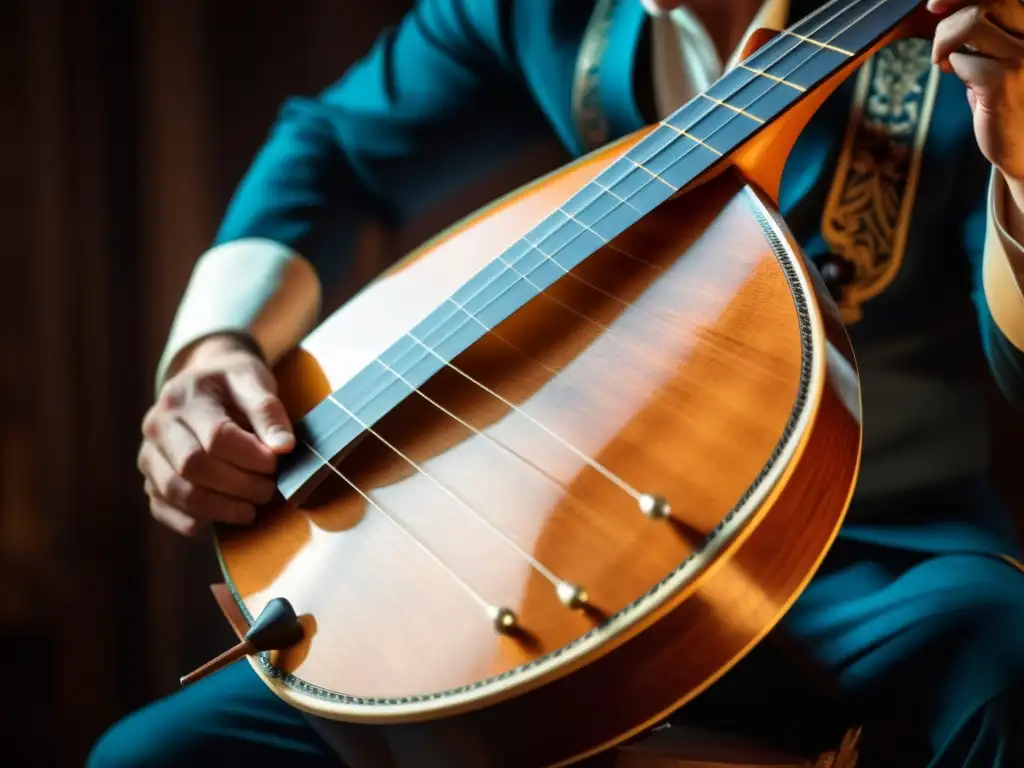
(733, 107)
(801, 63)
(760, 97)
(676, 159)
(562, 240)
(402, 349)
(558, 238)
(818, 44)
(598, 206)
(653, 174)
(779, 80)
(680, 159)
(835, 18)
(488, 282)
(594, 212)
(628, 180)
(692, 138)
(862, 24)
(854, 26)
(622, 200)
(711, 124)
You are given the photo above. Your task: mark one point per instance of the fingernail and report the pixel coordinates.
(278, 437)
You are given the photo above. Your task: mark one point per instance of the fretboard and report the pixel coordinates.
(685, 145)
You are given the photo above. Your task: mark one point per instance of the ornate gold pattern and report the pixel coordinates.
(868, 210)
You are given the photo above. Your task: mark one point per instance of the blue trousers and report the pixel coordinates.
(920, 623)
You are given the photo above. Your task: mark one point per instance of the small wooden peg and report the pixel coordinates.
(277, 627)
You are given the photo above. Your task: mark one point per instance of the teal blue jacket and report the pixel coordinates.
(460, 85)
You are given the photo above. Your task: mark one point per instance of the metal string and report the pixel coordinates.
(540, 567)
(673, 140)
(615, 479)
(572, 217)
(486, 436)
(490, 608)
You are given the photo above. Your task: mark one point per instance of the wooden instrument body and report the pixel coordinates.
(724, 388)
(695, 357)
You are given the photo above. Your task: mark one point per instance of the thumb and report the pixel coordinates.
(255, 396)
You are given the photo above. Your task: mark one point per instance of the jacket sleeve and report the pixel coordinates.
(997, 265)
(437, 100)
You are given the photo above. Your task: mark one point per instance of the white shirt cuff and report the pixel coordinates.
(998, 200)
(1003, 266)
(253, 287)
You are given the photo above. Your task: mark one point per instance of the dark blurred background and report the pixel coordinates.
(125, 128)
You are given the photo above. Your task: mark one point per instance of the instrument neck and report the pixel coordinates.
(684, 146)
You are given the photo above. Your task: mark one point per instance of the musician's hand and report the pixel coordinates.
(211, 440)
(983, 43)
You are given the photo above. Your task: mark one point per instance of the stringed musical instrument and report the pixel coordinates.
(566, 464)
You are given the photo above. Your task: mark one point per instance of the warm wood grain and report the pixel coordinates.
(687, 394)
(660, 668)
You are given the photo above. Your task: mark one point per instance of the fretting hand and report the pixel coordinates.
(983, 43)
(211, 440)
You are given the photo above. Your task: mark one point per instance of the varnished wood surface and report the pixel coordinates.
(685, 395)
(664, 666)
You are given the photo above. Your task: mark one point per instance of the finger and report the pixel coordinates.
(189, 459)
(970, 30)
(221, 436)
(263, 409)
(190, 498)
(942, 7)
(167, 515)
(984, 77)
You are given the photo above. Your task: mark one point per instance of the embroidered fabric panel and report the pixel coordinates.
(867, 214)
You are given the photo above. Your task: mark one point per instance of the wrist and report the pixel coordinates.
(214, 347)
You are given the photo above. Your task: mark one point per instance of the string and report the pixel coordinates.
(572, 217)
(486, 436)
(562, 587)
(663, 321)
(430, 552)
(611, 476)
